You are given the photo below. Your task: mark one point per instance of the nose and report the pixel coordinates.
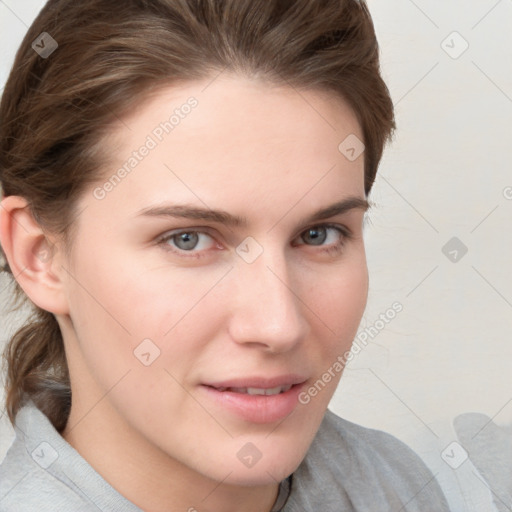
(267, 309)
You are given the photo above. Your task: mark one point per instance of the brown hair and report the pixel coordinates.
(56, 109)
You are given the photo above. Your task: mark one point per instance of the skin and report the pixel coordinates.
(269, 154)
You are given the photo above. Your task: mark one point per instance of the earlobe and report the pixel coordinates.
(31, 256)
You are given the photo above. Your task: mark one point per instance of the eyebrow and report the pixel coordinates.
(222, 217)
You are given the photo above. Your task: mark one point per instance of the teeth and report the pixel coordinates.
(258, 391)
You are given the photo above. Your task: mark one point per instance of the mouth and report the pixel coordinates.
(256, 400)
(256, 391)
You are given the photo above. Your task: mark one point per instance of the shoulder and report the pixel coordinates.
(26, 484)
(367, 446)
(24, 487)
(364, 469)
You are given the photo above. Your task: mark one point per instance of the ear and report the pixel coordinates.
(32, 256)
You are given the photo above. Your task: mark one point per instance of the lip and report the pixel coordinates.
(256, 408)
(259, 382)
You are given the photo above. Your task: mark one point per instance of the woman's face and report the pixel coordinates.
(172, 339)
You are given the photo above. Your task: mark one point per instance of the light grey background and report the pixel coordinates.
(446, 175)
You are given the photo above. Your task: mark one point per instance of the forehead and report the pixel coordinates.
(229, 108)
(233, 141)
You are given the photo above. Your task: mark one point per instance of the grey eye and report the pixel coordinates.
(316, 235)
(186, 241)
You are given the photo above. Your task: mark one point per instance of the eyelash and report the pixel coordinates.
(346, 235)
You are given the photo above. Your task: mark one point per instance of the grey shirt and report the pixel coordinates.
(347, 468)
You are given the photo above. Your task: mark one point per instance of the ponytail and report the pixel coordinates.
(36, 368)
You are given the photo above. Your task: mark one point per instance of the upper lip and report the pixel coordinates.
(259, 382)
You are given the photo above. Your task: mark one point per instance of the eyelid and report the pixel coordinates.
(341, 227)
(168, 235)
(346, 234)
(206, 230)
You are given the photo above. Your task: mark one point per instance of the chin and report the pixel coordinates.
(273, 466)
(263, 475)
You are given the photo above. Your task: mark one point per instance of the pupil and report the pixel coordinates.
(316, 238)
(189, 240)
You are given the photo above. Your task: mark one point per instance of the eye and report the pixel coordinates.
(186, 241)
(319, 234)
(195, 242)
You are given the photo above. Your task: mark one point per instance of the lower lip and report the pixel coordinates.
(257, 408)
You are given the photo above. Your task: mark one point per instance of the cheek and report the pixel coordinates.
(339, 305)
(338, 302)
(122, 290)
(341, 298)
(121, 313)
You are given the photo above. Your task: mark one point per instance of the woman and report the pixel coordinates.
(184, 187)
